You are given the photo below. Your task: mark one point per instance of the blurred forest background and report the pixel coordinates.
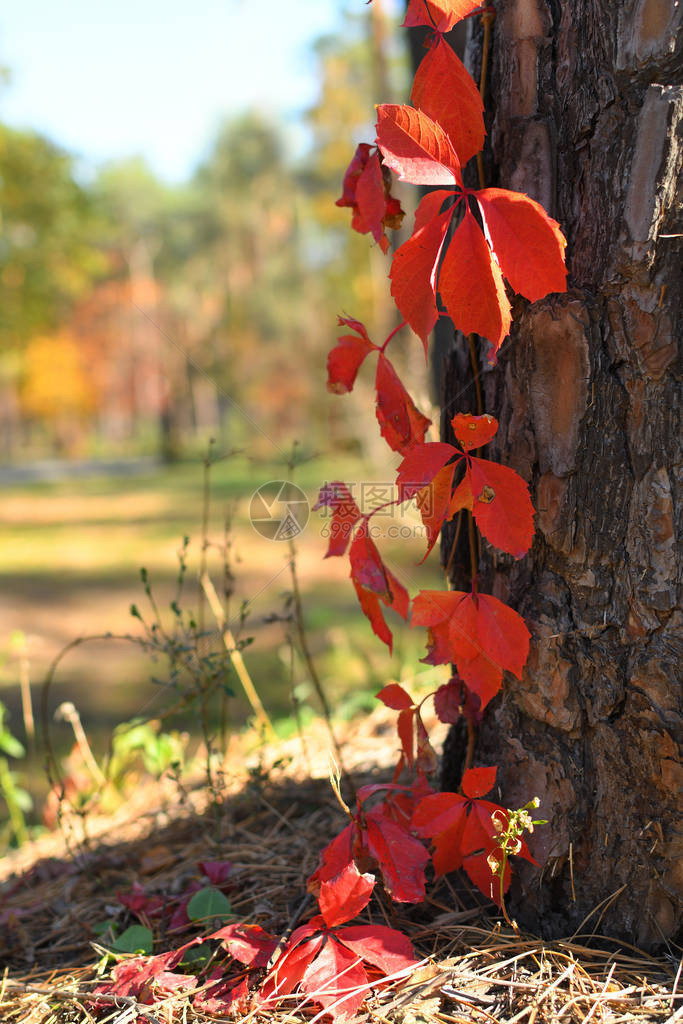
(138, 320)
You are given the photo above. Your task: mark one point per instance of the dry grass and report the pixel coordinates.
(277, 811)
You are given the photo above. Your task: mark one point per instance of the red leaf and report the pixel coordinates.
(248, 943)
(224, 999)
(478, 782)
(420, 465)
(433, 503)
(343, 897)
(374, 582)
(471, 285)
(148, 978)
(401, 424)
(345, 514)
(438, 812)
(336, 980)
(289, 969)
(371, 202)
(401, 857)
(528, 244)
(336, 856)
(372, 610)
(400, 599)
(140, 903)
(426, 759)
(353, 173)
(413, 269)
(395, 697)
(215, 870)
(367, 568)
(416, 147)
(441, 15)
(455, 699)
(384, 948)
(481, 635)
(477, 867)
(448, 701)
(444, 90)
(504, 633)
(462, 496)
(404, 727)
(502, 507)
(345, 359)
(474, 431)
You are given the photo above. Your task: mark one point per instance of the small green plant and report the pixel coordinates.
(510, 827)
(17, 800)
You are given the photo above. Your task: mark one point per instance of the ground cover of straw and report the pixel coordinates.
(277, 811)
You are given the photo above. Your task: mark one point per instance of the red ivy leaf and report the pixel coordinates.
(345, 514)
(480, 634)
(366, 192)
(433, 503)
(344, 896)
(471, 285)
(501, 506)
(336, 856)
(444, 90)
(478, 782)
(404, 727)
(224, 998)
(374, 582)
(400, 856)
(395, 697)
(367, 568)
(371, 203)
(455, 699)
(416, 147)
(337, 980)
(346, 357)
(385, 948)
(401, 423)
(474, 431)
(441, 15)
(413, 269)
(248, 943)
(528, 244)
(420, 466)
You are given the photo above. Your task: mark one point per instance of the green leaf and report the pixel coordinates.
(135, 939)
(102, 927)
(195, 956)
(209, 904)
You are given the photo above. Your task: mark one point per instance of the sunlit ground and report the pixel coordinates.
(71, 559)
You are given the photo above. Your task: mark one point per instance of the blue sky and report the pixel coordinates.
(110, 78)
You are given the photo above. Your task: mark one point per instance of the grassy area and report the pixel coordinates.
(72, 553)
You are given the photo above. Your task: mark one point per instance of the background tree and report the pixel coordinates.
(584, 115)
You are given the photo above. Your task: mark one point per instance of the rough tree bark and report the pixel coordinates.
(586, 116)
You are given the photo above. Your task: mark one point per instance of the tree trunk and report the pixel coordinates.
(585, 117)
